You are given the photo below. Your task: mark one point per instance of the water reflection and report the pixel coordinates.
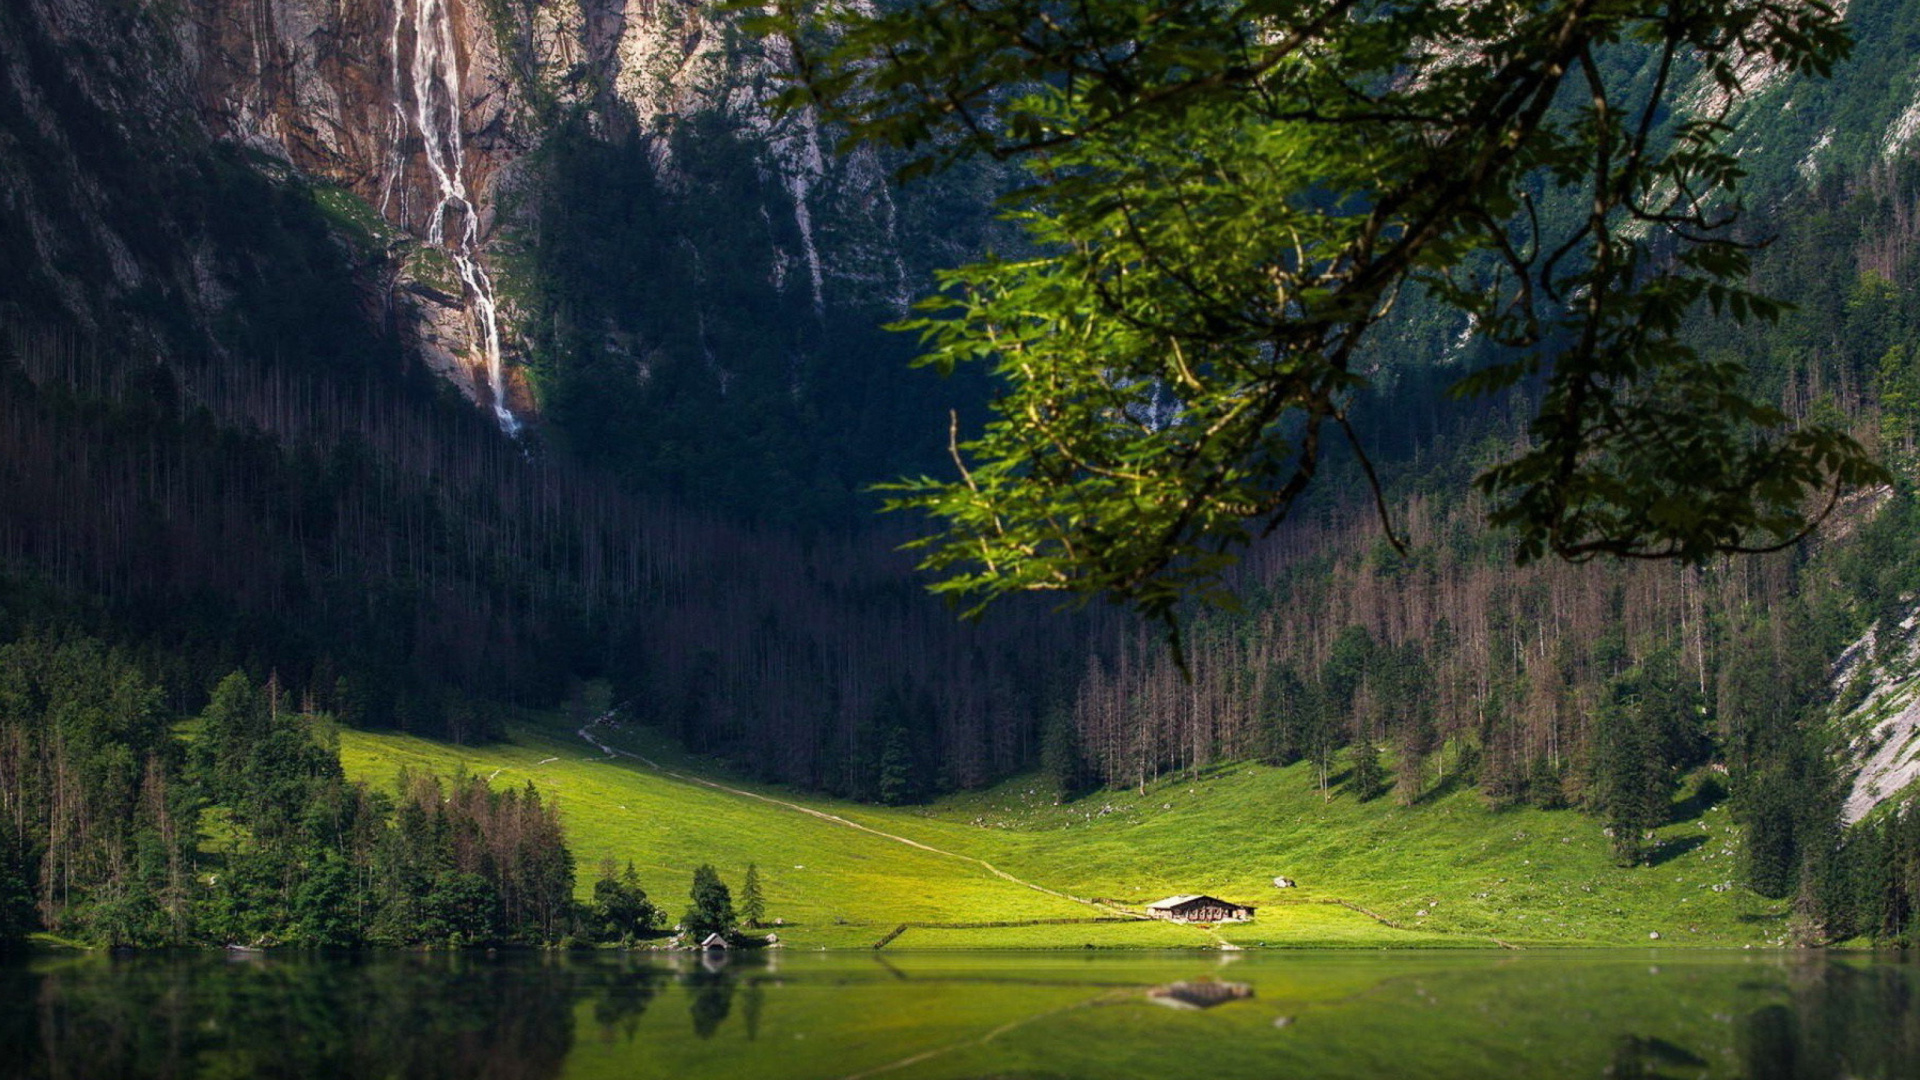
(1636, 1058)
(426, 1016)
(1776, 1017)
(623, 1000)
(1196, 994)
(712, 989)
(1836, 1020)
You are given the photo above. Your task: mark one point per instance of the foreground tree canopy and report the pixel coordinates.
(1224, 198)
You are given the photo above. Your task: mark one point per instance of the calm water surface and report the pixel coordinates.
(1158, 1016)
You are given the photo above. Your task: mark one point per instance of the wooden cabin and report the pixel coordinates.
(1197, 908)
(714, 941)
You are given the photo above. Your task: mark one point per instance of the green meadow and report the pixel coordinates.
(1012, 867)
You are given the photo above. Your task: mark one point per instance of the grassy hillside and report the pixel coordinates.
(1445, 872)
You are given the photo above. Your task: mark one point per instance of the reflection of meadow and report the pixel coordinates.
(953, 1015)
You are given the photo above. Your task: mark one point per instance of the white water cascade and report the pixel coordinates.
(433, 74)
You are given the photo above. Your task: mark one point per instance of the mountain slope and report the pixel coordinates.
(1449, 872)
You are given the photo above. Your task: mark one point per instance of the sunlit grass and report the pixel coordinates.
(1446, 871)
(1447, 864)
(829, 884)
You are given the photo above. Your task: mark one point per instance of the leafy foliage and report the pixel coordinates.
(621, 910)
(1227, 197)
(712, 910)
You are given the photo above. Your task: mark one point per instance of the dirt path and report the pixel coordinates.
(586, 733)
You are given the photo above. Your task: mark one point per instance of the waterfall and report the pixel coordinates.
(433, 75)
(803, 164)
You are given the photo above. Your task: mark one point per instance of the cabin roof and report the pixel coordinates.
(1184, 899)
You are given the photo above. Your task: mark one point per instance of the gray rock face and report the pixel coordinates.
(1883, 729)
(426, 113)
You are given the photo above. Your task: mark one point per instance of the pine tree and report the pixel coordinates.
(896, 772)
(753, 906)
(1634, 783)
(1060, 755)
(1368, 775)
(1286, 709)
(16, 898)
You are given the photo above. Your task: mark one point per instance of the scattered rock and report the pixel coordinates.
(1653, 935)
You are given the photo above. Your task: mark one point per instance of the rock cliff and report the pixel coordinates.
(418, 121)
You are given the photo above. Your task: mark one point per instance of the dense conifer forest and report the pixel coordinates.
(125, 825)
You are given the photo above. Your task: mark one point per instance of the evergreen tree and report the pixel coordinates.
(1772, 849)
(1369, 777)
(1349, 660)
(325, 907)
(1779, 775)
(1633, 763)
(16, 897)
(897, 779)
(1544, 787)
(1286, 709)
(1406, 701)
(1060, 756)
(753, 906)
(712, 910)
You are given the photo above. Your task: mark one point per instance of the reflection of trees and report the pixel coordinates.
(1843, 1021)
(712, 999)
(1637, 1058)
(1769, 1043)
(620, 1002)
(413, 1016)
(406, 1016)
(19, 990)
(752, 1001)
(381, 1015)
(712, 983)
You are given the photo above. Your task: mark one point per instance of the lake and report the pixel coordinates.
(1154, 1016)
